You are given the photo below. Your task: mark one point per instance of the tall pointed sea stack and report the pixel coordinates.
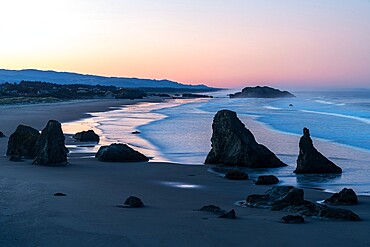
(311, 161)
(50, 148)
(234, 145)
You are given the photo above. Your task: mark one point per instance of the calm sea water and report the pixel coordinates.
(180, 131)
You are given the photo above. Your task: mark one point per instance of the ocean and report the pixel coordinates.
(180, 130)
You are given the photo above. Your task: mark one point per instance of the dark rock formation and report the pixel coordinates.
(118, 152)
(267, 180)
(130, 94)
(213, 209)
(59, 194)
(22, 143)
(86, 136)
(229, 215)
(261, 92)
(234, 145)
(135, 132)
(344, 197)
(133, 202)
(293, 219)
(311, 161)
(50, 148)
(236, 175)
(2, 134)
(290, 199)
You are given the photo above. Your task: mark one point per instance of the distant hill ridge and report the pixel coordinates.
(15, 76)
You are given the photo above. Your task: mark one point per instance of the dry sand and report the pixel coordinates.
(88, 216)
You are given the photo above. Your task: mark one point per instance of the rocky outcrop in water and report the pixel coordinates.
(2, 134)
(22, 143)
(234, 145)
(86, 136)
(118, 152)
(50, 148)
(344, 197)
(311, 161)
(290, 199)
(261, 92)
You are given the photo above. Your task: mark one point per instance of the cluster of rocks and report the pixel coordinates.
(234, 145)
(46, 148)
(290, 199)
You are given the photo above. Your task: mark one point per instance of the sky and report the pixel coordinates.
(222, 43)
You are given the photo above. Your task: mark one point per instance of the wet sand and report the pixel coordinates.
(88, 215)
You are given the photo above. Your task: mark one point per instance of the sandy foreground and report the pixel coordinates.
(88, 216)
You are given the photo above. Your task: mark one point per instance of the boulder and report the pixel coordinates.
(293, 219)
(261, 92)
(118, 152)
(22, 143)
(234, 145)
(344, 197)
(311, 161)
(267, 180)
(229, 215)
(290, 199)
(213, 209)
(86, 136)
(50, 148)
(2, 134)
(133, 202)
(59, 194)
(236, 175)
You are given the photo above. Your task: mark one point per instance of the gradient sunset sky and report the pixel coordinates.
(224, 43)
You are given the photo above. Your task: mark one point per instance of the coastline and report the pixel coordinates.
(88, 216)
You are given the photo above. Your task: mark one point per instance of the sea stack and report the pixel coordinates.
(234, 145)
(22, 142)
(50, 148)
(311, 161)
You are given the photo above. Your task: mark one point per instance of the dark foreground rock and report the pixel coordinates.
(267, 180)
(118, 152)
(311, 161)
(229, 215)
(22, 143)
(50, 148)
(213, 209)
(290, 199)
(293, 219)
(344, 197)
(86, 136)
(133, 202)
(1, 134)
(261, 92)
(234, 145)
(236, 175)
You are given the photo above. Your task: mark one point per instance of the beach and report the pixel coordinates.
(172, 193)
